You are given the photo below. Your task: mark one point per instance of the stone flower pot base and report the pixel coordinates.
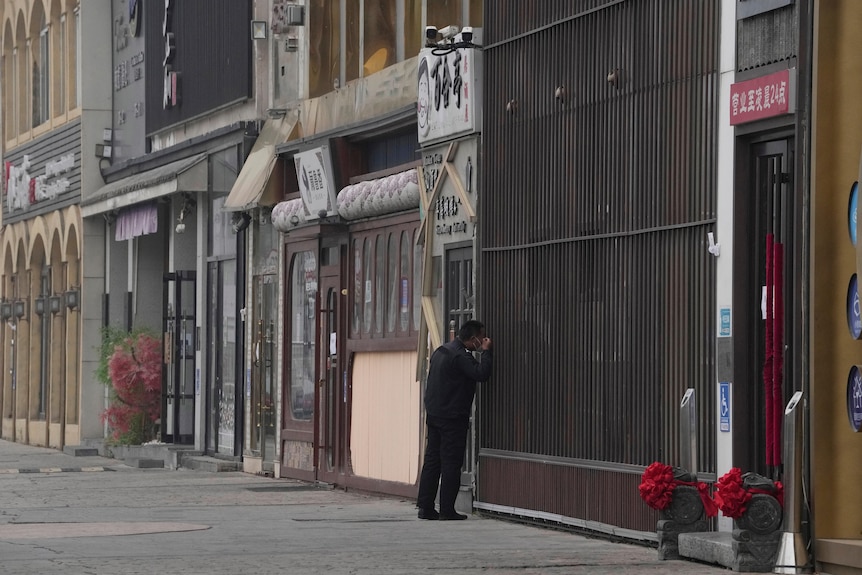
(757, 535)
(685, 514)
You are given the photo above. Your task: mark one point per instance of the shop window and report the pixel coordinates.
(394, 283)
(357, 286)
(380, 291)
(303, 299)
(385, 284)
(392, 151)
(368, 301)
(418, 266)
(403, 283)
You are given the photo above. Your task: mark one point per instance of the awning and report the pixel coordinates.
(187, 175)
(258, 183)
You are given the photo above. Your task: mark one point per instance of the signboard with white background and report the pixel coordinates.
(449, 93)
(316, 185)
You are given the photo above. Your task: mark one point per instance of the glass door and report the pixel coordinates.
(224, 395)
(331, 392)
(263, 375)
(178, 387)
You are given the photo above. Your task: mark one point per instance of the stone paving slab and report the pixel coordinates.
(253, 524)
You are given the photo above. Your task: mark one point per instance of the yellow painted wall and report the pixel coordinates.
(836, 452)
(384, 432)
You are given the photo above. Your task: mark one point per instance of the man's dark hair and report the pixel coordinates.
(470, 330)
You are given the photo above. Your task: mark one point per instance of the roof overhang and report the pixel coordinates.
(260, 182)
(186, 175)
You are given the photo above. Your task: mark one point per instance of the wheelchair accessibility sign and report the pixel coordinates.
(724, 406)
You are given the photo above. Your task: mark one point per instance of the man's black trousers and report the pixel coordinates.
(444, 457)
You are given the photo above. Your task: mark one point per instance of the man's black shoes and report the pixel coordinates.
(451, 516)
(430, 514)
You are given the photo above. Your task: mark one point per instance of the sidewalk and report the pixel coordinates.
(126, 520)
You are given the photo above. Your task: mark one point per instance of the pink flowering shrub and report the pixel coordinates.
(134, 371)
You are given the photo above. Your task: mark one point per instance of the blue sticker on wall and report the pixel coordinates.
(851, 211)
(854, 319)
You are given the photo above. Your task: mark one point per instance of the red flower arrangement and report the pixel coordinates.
(657, 485)
(732, 496)
(135, 370)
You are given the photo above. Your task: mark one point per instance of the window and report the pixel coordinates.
(380, 291)
(303, 300)
(357, 286)
(370, 35)
(59, 56)
(74, 59)
(324, 46)
(367, 302)
(387, 277)
(381, 36)
(394, 283)
(41, 95)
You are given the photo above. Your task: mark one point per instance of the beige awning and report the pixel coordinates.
(187, 175)
(258, 183)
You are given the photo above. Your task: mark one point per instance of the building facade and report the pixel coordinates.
(190, 92)
(55, 104)
(354, 249)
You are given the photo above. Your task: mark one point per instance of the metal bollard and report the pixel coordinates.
(792, 554)
(688, 431)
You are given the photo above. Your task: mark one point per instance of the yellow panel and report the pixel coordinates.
(384, 439)
(837, 127)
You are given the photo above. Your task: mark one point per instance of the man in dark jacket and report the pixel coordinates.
(449, 392)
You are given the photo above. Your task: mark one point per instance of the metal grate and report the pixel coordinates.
(595, 281)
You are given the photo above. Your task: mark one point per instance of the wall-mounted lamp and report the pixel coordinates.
(188, 205)
(56, 303)
(240, 221)
(615, 77)
(258, 30)
(6, 310)
(72, 298)
(20, 308)
(40, 305)
(512, 106)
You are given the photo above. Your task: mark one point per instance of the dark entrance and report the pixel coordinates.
(178, 387)
(765, 216)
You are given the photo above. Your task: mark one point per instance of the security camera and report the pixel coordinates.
(431, 33)
(449, 32)
(181, 228)
(467, 34)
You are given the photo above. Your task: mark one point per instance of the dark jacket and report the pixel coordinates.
(452, 379)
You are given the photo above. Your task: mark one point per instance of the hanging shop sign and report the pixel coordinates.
(448, 94)
(763, 97)
(314, 174)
